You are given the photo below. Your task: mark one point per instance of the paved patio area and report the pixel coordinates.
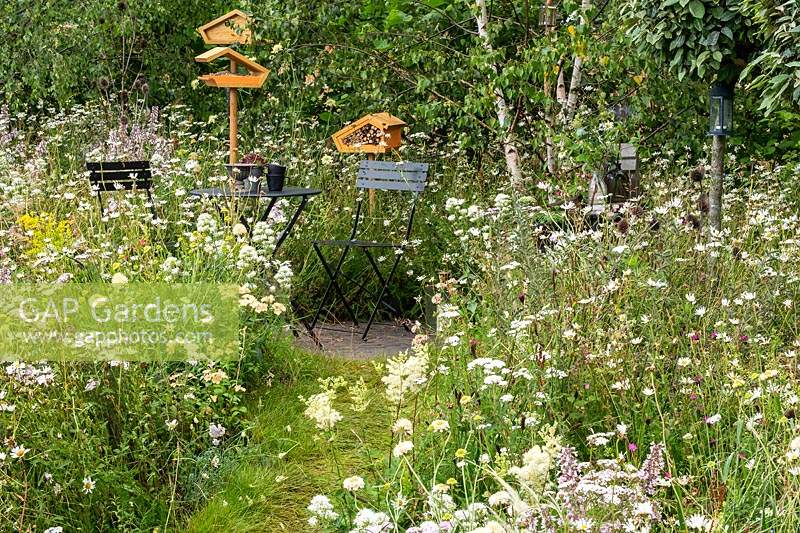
(384, 339)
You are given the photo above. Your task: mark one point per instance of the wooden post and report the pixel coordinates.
(233, 111)
(717, 173)
(371, 157)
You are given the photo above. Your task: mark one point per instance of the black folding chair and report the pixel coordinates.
(380, 175)
(121, 175)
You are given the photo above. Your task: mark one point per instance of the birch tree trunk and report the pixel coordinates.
(715, 190)
(501, 107)
(561, 88)
(575, 82)
(550, 115)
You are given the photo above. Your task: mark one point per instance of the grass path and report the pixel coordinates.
(268, 486)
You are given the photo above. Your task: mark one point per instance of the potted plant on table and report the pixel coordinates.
(248, 172)
(276, 175)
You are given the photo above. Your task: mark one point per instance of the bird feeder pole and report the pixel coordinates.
(231, 28)
(233, 112)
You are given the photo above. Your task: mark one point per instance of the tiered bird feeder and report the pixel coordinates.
(376, 133)
(253, 77)
(231, 28)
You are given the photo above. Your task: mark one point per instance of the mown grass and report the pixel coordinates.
(269, 485)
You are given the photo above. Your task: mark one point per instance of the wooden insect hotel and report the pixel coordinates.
(242, 73)
(377, 133)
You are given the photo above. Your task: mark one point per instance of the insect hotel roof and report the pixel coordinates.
(389, 129)
(255, 78)
(230, 28)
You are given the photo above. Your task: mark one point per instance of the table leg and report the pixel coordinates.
(290, 225)
(265, 216)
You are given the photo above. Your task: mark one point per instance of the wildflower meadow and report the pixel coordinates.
(582, 219)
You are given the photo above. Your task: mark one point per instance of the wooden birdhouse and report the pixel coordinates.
(254, 76)
(232, 27)
(628, 159)
(376, 133)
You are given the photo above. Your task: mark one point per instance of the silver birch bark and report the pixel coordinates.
(501, 107)
(575, 82)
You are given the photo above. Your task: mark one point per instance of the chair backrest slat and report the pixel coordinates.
(122, 185)
(387, 175)
(104, 166)
(117, 175)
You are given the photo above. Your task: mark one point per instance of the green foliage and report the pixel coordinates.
(60, 52)
(697, 38)
(775, 72)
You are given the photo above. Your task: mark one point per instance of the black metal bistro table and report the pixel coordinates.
(274, 196)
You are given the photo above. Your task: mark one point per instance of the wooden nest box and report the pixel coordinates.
(232, 27)
(255, 77)
(376, 133)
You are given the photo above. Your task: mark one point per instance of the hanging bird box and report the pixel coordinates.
(376, 133)
(232, 27)
(628, 160)
(548, 16)
(255, 76)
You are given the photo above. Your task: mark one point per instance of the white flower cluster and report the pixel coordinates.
(406, 374)
(494, 371)
(283, 276)
(321, 510)
(535, 467)
(263, 235)
(171, 268)
(353, 484)
(216, 432)
(249, 258)
(319, 408)
(28, 374)
(206, 223)
(369, 521)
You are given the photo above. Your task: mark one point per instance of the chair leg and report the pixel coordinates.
(362, 287)
(152, 204)
(380, 278)
(380, 296)
(332, 283)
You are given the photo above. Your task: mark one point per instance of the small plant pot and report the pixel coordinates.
(276, 175)
(247, 177)
(242, 171)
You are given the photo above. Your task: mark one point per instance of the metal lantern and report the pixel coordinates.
(548, 16)
(720, 113)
